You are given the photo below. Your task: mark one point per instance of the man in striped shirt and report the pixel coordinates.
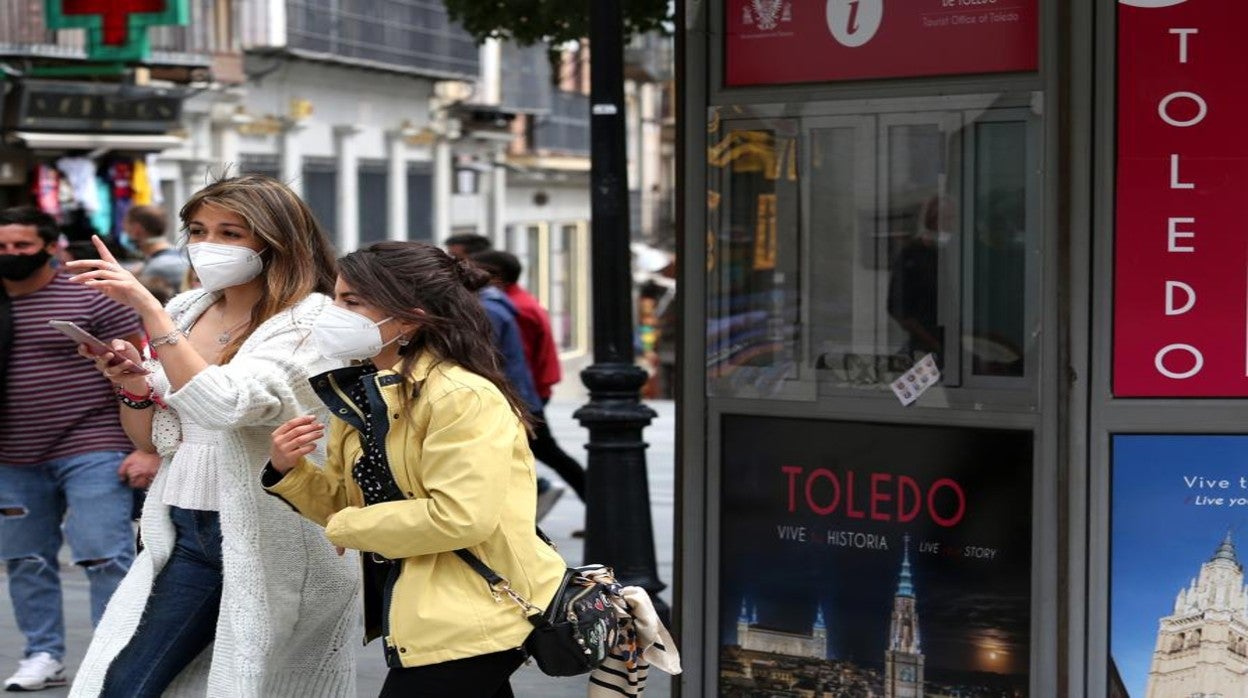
(62, 448)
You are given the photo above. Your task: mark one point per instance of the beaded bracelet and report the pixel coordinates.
(136, 402)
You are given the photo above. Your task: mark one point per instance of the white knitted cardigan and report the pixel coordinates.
(289, 618)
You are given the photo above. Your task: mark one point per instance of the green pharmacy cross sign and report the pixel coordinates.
(116, 29)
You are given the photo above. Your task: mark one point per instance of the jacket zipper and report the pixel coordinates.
(396, 566)
(391, 650)
(387, 595)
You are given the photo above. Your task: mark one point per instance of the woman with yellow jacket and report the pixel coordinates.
(428, 454)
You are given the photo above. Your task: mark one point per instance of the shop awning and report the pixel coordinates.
(42, 140)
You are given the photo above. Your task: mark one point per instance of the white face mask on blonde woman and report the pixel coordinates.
(224, 250)
(222, 266)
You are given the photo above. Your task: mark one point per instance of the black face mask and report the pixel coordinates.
(18, 267)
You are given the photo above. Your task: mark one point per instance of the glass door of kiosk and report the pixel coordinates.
(844, 247)
(872, 385)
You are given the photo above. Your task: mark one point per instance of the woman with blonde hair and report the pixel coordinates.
(428, 454)
(235, 594)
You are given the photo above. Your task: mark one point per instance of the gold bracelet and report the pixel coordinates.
(171, 338)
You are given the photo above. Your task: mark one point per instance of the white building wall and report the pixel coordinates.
(567, 200)
(465, 211)
(185, 170)
(356, 115)
(375, 101)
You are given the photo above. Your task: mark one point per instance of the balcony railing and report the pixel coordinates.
(565, 128)
(412, 35)
(526, 81)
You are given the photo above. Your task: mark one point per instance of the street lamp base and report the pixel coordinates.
(618, 528)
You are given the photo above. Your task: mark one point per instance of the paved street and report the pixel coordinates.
(566, 517)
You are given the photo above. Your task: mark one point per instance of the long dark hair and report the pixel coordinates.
(401, 278)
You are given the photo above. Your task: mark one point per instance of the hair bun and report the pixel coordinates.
(470, 275)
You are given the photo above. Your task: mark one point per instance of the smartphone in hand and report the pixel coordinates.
(94, 344)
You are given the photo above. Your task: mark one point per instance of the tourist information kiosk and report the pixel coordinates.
(965, 342)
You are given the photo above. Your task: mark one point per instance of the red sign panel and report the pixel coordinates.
(116, 29)
(771, 42)
(1180, 251)
(114, 15)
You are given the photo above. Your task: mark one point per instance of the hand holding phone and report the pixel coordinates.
(97, 346)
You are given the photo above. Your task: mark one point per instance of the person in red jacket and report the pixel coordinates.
(542, 356)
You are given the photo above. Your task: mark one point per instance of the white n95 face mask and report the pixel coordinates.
(342, 334)
(222, 266)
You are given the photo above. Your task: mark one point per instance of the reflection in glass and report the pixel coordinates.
(1000, 244)
(921, 234)
(753, 295)
(840, 271)
(844, 247)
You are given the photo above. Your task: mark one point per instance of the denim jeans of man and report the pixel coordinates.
(77, 498)
(180, 619)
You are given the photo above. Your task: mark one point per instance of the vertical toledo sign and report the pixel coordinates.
(1181, 248)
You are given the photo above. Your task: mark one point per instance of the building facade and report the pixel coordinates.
(347, 103)
(755, 637)
(390, 121)
(168, 112)
(529, 191)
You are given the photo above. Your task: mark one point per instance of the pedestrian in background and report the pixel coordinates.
(139, 469)
(542, 357)
(61, 446)
(465, 245)
(161, 260)
(228, 575)
(428, 454)
(510, 345)
(505, 331)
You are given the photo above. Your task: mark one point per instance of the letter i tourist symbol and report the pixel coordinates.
(854, 22)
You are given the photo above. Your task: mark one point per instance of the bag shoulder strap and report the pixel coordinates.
(497, 582)
(491, 577)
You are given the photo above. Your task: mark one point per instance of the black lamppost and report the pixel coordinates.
(618, 529)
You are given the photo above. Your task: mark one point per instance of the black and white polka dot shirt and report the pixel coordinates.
(372, 471)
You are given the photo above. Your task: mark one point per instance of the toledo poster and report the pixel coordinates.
(874, 560)
(1178, 605)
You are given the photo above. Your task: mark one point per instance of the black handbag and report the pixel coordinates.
(577, 629)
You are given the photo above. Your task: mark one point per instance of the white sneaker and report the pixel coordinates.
(546, 500)
(36, 672)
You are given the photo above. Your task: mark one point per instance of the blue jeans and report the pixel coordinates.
(82, 495)
(180, 619)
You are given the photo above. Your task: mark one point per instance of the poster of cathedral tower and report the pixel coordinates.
(1178, 604)
(903, 662)
(1202, 647)
(874, 560)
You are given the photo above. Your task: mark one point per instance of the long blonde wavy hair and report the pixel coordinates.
(298, 257)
